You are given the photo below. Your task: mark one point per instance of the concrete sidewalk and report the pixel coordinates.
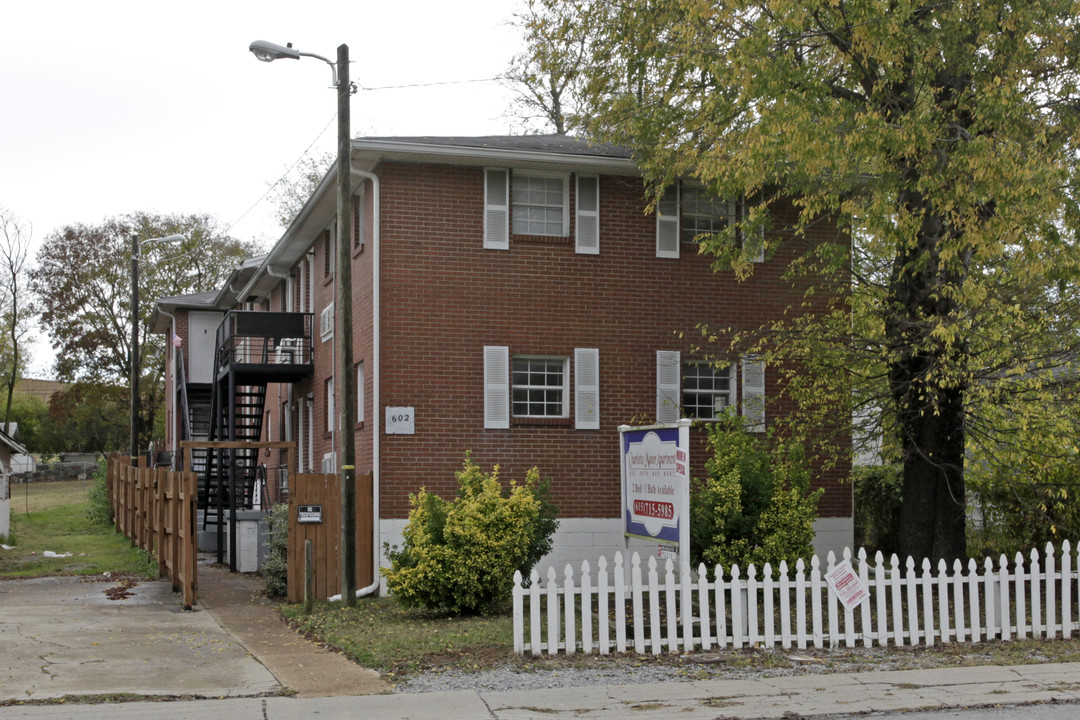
(788, 697)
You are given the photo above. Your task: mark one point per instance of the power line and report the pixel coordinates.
(283, 176)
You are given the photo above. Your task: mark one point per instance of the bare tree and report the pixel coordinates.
(547, 74)
(14, 252)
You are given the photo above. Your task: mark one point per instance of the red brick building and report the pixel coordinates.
(517, 297)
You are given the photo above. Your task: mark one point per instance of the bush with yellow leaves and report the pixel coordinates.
(460, 556)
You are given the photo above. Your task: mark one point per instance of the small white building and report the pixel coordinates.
(8, 448)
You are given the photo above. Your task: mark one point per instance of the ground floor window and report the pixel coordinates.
(706, 390)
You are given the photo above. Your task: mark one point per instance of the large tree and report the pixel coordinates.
(82, 282)
(15, 310)
(942, 137)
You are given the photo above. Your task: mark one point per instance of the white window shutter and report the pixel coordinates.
(587, 389)
(667, 223)
(588, 215)
(496, 209)
(753, 393)
(753, 241)
(496, 387)
(668, 390)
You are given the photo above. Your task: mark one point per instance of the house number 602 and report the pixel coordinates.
(400, 421)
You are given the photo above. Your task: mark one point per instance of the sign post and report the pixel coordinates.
(656, 486)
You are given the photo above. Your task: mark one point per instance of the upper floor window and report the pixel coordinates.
(539, 386)
(328, 253)
(687, 211)
(540, 204)
(702, 213)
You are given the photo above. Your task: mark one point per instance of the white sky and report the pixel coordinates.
(111, 107)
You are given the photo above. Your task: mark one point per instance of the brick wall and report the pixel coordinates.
(444, 298)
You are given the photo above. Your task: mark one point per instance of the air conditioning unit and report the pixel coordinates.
(326, 321)
(288, 351)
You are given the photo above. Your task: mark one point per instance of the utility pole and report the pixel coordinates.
(134, 350)
(346, 379)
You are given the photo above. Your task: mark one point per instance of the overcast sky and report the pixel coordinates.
(111, 107)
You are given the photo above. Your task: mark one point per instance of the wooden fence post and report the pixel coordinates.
(309, 575)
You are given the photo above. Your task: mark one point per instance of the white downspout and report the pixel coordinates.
(373, 588)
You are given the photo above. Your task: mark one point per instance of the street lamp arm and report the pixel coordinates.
(170, 239)
(269, 52)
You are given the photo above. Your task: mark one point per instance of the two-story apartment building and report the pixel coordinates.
(514, 294)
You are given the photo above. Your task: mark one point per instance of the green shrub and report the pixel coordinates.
(275, 570)
(460, 556)
(877, 507)
(99, 509)
(1017, 509)
(755, 505)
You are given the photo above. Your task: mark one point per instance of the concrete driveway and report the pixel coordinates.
(78, 636)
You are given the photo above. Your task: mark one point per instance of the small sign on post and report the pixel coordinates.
(309, 513)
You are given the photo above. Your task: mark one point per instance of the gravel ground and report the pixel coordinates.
(626, 669)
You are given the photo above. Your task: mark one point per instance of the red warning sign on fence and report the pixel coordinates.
(847, 585)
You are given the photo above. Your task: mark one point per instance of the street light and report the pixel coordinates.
(344, 380)
(136, 253)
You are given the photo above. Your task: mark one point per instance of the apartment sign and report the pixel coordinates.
(656, 484)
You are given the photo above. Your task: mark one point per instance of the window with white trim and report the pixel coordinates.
(539, 386)
(688, 210)
(707, 390)
(702, 213)
(539, 203)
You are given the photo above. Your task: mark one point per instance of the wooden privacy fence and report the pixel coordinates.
(324, 492)
(653, 610)
(155, 509)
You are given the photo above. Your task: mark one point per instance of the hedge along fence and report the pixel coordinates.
(636, 609)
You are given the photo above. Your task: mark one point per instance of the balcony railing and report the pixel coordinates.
(252, 338)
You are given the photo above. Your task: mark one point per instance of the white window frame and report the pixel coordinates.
(564, 178)
(564, 388)
(670, 209)
(703, 196)
(729, 395)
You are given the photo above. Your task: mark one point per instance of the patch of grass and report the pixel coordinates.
(379, 633)
(53, 517)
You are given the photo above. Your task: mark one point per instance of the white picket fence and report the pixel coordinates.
(621, 609)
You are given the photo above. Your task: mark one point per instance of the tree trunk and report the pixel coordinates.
(928, 391)
(932, 516)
